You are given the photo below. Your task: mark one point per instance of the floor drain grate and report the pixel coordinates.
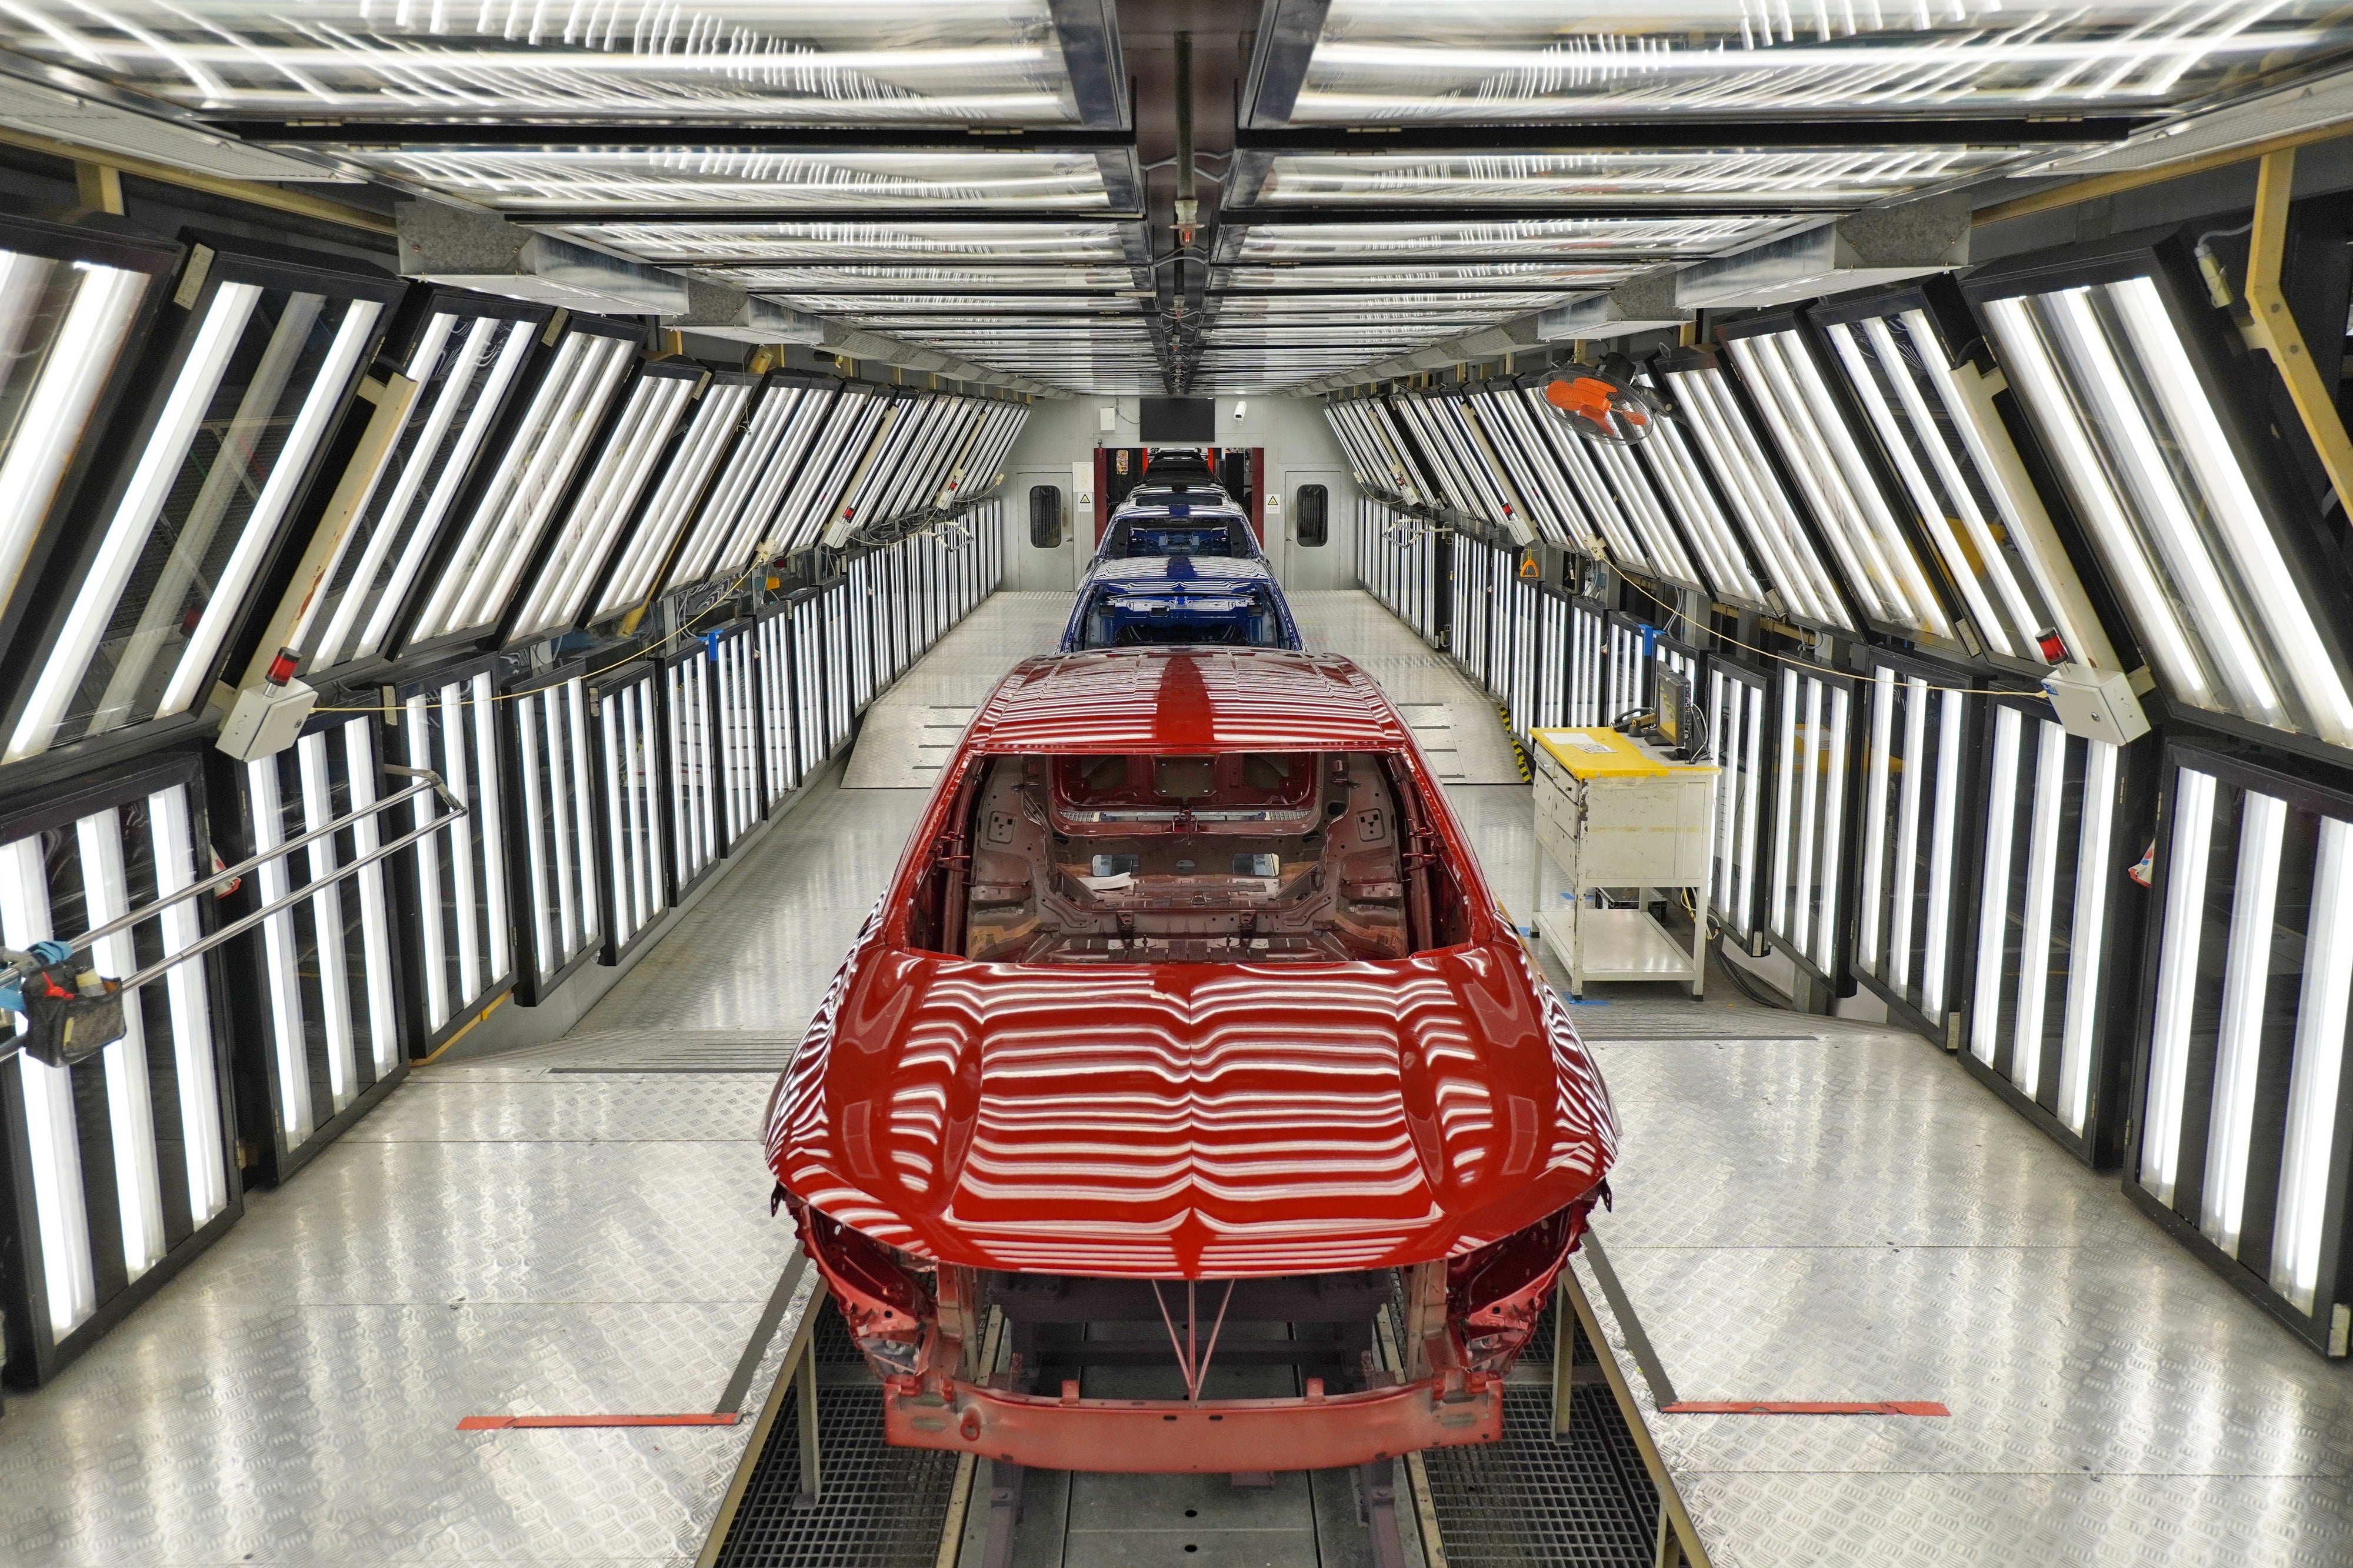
(1583, 1498)
(881, 1507)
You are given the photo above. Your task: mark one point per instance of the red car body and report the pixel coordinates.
(959, 1131)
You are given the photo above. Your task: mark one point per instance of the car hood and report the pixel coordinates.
(1193, 1121)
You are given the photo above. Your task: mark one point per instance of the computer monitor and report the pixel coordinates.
(1674, 696)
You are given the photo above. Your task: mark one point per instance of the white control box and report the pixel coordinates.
(2095, 704)
(266, 720)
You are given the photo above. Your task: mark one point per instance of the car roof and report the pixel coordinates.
(1187, 700)
(1201, 515)
(1149, 571)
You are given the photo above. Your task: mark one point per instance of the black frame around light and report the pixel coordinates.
(1750, 936)
(160, 260)
(504, 632)
(1964, 342)
(682, 882)
(2313, 546)
(635, 519)
(1674, 361)
(2118, 966)
(1836, 974)
(1844, 410)
(2240, 770)
(1968, 812)
(743, 629)
(602, 684)
(531, 989)
(31, 1359)
(270, 1161)
(63, 565)
(399, 643)
(423, 1037)
(416, 311)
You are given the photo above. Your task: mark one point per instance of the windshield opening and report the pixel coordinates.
(1232, 614)
(1138, 541)
(1241, 857)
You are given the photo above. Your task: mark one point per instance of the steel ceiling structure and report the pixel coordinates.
(1140, 196)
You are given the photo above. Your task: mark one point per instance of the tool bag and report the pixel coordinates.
(67, 1026)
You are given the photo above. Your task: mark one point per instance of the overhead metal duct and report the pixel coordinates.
(1882, 245)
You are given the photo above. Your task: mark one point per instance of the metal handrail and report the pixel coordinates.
(428, 781)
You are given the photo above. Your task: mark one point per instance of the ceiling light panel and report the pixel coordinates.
(987, 61)
(1529, 237)
(1783, 177)
(740, 243)
(464, 364)
(541, 452)
(189, 528)
(1710, 408)
(66, 315)
(1674, 467)
(735, 514)
(2229, 623)
(1841, 489)
(799, 285)
(1417, 273)
(601, 511)
(1303, 306)
(673, 502)
(1391, 60)
(522, 180)
(1961, 476)
(1075, 305)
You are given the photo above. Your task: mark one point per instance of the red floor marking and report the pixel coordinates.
(504, 1423)
(1804, 1408)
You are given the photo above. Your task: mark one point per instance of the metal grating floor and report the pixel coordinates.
(880, 1507)
(1582, 1499)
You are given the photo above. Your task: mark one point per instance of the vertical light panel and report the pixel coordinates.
(281, 960)
(2087, 939)
(1785, 798)
(2176, 981)
(2239, 1042)
(327, 920)
(2034, 938)
(1907, 826)
(62, 326)
(1993, 904)
(2227, 623)
(1876, 768)
(130, 1109)
(462, 369)
(52, 1136)
(376, 916)
(191, 1008)
(1940, 857)
(427, 859)
(2317, 1074)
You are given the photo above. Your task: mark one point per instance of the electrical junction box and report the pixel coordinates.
(266, 720)
(2095, 704)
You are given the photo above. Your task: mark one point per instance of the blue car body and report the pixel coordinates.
(1180, 600)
